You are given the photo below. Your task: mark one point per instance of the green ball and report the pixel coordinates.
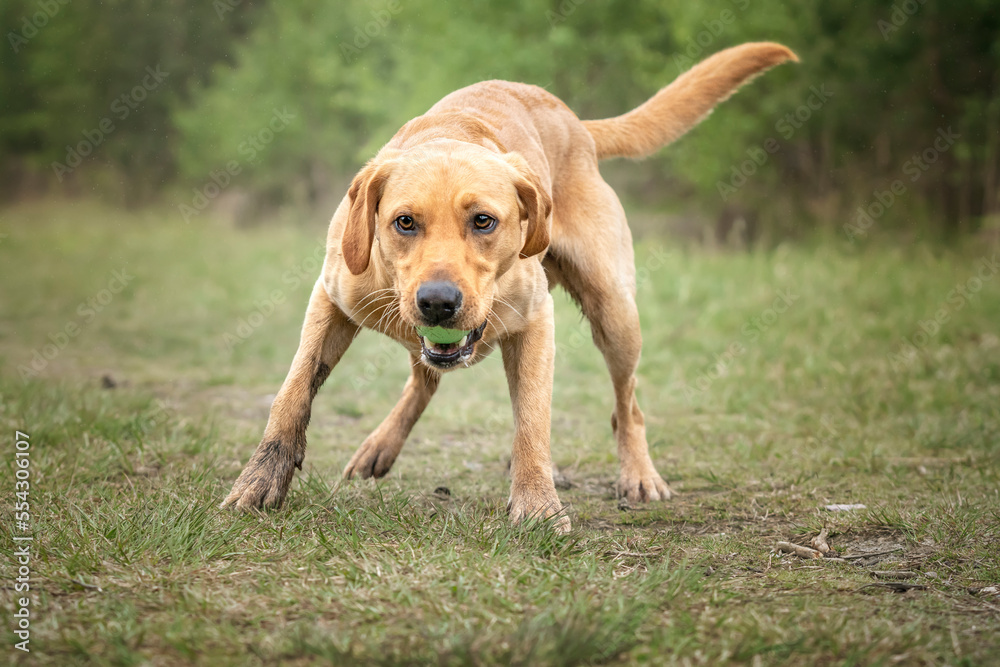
(442, 336)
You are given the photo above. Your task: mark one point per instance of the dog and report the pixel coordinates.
(449, 241)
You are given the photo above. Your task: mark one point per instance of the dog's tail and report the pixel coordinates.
(684, 103)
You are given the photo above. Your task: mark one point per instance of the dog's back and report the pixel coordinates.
(531, 121)
(485, 111)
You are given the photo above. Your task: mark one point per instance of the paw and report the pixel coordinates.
(538, 505)
(374, 458)
(265, 480)
(642, 486)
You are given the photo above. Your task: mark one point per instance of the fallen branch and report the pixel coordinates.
(798, 550)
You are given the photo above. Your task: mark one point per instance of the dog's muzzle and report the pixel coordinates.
(447, 355)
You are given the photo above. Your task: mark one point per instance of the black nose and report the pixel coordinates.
(438, 301)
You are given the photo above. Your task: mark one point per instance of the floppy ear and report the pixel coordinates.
(535, 205)
(364, 195)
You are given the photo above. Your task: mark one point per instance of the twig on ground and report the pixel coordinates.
(798, 550)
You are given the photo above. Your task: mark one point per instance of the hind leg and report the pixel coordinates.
(617, 336)
(595, 263)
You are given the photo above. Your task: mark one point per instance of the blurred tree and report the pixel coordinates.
(96, 83)
(878, 85)
(311, 60)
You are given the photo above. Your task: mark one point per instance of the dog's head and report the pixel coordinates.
(444, 221)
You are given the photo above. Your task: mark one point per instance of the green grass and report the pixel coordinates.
(757, 430)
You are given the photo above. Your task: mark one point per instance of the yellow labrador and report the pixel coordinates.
(449, 241)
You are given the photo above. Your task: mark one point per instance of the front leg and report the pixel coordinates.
(379, 450)
(529, 360)
(326, 335)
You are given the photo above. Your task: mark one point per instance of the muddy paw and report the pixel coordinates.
(265, 480)
(642, 487)
(374, 458)
(525, 505)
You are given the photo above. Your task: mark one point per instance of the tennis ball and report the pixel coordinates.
(442, 336)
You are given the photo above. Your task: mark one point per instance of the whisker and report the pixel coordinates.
(507, 303)
(500, 320)
(387, 317)
(382, 313)
(365, 302)
(368, 298)
(378, 311)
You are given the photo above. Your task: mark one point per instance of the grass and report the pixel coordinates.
(141, 419)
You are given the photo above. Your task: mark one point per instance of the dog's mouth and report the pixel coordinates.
(446, 355)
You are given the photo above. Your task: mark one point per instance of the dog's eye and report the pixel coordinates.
(405, 224)
(484, 223)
